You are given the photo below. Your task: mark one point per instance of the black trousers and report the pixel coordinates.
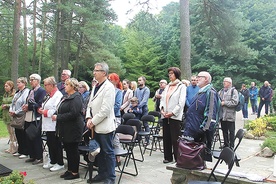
(228, 131)
(21, 140)
(55, 148)
(73, 156)
(171, 133)
(35, 147)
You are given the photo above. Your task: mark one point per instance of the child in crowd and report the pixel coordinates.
(134, 108)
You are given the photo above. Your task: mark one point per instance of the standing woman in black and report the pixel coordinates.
(70, 126)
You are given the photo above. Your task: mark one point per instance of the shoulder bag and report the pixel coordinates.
(190, 154)
(18, 120)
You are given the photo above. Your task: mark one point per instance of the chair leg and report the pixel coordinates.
(153, 142)
(122, 170)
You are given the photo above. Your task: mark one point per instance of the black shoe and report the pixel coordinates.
(37, 161)
(71, 176)
(67, 173)
(98, 178)
(166, 161)
(30, 160)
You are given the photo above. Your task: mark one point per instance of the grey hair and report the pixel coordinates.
(68, 72)
(104, 67)
(35, 76)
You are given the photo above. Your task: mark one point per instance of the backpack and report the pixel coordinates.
(241, 100)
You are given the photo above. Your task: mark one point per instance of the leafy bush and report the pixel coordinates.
(270, 143)
(258, 126)
(271, 122)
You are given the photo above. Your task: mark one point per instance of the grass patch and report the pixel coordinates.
(3, 129)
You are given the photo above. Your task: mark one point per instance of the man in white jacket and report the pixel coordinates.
(100, 116)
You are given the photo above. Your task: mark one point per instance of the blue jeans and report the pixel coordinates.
(106, 156)
(254, 105)
(245, 110)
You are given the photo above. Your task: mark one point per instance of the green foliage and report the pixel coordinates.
(270, 143)
(15, 178)
(258, 126)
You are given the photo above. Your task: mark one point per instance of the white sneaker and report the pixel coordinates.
(57, 167)
(22, 156)
(16, 154)
(48, 166)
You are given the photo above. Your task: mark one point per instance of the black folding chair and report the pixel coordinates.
(127, 152)
(239, 136)
(228, 156)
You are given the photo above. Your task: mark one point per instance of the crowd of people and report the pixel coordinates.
(64, 110)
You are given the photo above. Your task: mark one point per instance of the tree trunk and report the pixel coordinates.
(34, 36)
(185, 40)
(44, 21)
(76, 68)
(25, 51)
(67, 39)
(15, 44)
(58, 40)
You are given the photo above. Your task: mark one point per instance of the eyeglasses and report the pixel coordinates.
(171, 73)
(31, 80)
(98, 70)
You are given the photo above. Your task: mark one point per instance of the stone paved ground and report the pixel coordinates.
(152, 170)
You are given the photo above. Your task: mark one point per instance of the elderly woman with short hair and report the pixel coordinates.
(18, 101)
(49, 107)
(34, 100)
(70, 126)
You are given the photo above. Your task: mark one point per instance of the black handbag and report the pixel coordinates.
(190, 154)
(33, 130)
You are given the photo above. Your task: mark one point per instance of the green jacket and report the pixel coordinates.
(7, 100)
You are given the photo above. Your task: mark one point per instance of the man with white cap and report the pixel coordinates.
(162, 85)
(229, 100)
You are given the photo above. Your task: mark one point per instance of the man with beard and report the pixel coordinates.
(143, 93)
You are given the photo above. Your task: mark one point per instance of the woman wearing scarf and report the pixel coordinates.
(171, 106)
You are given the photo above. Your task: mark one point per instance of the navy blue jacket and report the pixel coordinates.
(265, 92)
(199, 113)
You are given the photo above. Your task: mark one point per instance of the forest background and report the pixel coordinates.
(233, 38)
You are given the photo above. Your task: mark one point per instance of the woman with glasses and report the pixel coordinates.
(171, 106)
(49, 107)
(34, 99)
